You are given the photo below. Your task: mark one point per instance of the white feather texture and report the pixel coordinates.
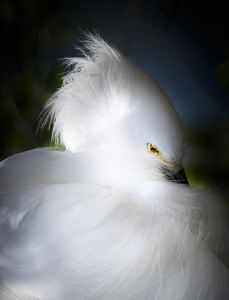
(104, 222)
(106, 98)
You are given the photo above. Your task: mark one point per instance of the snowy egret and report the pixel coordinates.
(109, 218)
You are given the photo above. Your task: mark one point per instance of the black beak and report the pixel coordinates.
(179, 177)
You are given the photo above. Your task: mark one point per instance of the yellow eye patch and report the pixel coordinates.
(154, 150)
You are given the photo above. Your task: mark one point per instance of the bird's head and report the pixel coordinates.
(107, 101)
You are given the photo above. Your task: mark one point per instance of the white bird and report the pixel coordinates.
(109, 218)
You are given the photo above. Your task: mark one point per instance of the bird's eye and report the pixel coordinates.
(153, 149)
(156, 152)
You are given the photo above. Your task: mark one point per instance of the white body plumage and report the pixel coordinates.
(104, 222)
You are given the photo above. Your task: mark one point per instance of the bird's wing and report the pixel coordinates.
(61, 240)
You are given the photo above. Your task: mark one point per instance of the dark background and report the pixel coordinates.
(184, 45)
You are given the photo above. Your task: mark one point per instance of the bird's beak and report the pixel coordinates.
(176, 174)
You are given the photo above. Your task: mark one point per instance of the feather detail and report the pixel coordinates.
(106, 98)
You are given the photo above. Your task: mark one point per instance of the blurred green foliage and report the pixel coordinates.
(207, 160)
(222, 74)
(27, 36)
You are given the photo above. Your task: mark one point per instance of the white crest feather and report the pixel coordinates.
(105, 89)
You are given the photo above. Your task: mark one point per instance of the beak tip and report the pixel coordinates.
(179, 177)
